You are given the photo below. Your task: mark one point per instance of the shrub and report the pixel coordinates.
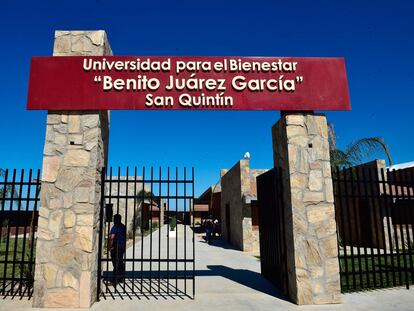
(130, 234)
(173, 224)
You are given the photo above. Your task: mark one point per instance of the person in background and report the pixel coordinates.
(117, 246)
(216, 229)
(209, 226)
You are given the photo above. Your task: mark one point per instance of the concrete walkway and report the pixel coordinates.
(227, 279)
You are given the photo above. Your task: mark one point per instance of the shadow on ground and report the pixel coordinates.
(244, 277)
(198, 230)
(218, 242)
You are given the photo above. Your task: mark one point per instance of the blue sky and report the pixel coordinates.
(375, 37)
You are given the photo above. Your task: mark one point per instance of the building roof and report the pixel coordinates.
(205, 196)
(154, 206)
(200, 207)
(216, 188)
(148, 201)
(401, 166)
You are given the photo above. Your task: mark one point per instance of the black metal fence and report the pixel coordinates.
(375, 218)
(158, 256)
(19, 202)
(272, 228)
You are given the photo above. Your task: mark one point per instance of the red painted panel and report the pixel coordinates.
(276, 83)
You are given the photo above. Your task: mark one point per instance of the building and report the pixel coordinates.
(152, 213)
(374, 204)
(137, 208)
(238, 194)
(200, 213)
(208, 203)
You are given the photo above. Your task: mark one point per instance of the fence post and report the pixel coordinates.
(301, 150)
(75, 152)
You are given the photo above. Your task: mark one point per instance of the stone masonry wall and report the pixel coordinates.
(129, 207)
(236, 187)
(301, 148)
(251, 242)
(75, 152)
(231, 196)
(126, 206)
(81, 43)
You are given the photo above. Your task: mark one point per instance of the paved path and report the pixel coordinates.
(230, 280)
(158, 242)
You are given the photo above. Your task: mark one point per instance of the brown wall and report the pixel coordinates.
(232, 205)
(215, 208)
(360, 205)
(238, 187)
(255, 214)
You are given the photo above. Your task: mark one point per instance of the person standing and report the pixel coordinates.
(216, 229)
(117, 246)
(209, 226)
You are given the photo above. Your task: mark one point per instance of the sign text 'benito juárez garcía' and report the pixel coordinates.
(175, 82)
(157, 82)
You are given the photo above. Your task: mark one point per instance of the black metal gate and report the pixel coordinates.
(272, 228)
(158, 259)
(19, 202)
(375, 218)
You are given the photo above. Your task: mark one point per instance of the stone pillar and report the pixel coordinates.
(75, 152)
(301, 149)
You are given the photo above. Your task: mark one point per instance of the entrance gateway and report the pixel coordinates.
(77, 197)
(160, 259)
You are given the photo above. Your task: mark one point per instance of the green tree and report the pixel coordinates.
(357, 151)
(173, 224)
(143, 195)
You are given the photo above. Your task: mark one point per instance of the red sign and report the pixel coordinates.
(171, 83)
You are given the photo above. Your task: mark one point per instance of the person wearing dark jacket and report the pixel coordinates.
(209, 226)
(117, 246)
